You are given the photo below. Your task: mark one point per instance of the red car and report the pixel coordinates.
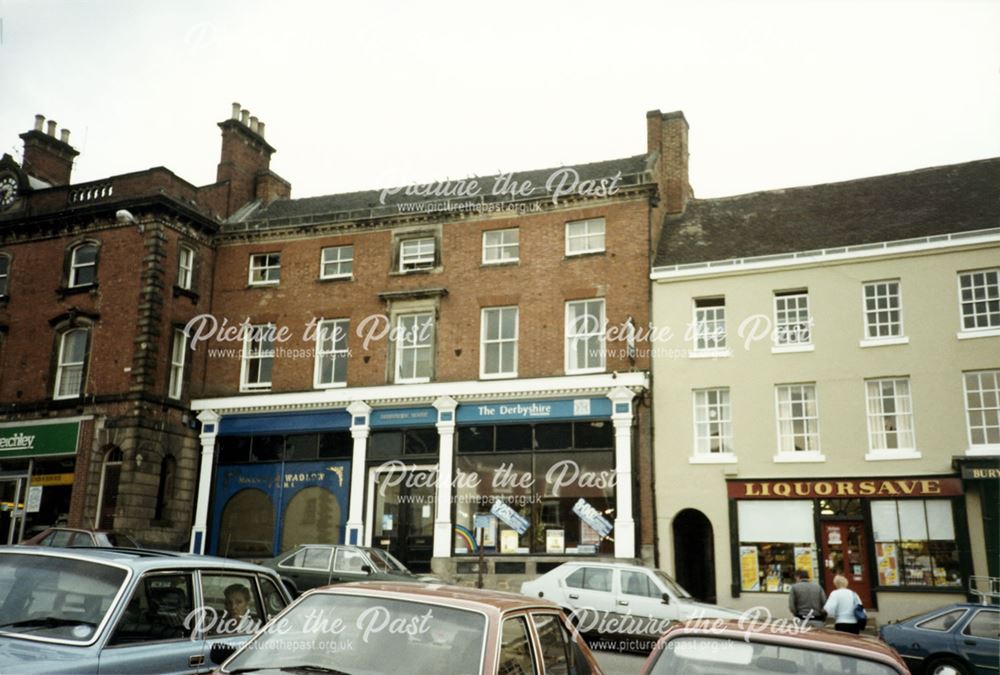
(704, 647)
(70, 536)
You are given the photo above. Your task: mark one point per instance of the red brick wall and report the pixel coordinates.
(540, 284)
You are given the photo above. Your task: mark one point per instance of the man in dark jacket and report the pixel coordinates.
(806, 600)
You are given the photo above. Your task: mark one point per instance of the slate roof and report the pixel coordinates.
(937, 200)
(365, 204)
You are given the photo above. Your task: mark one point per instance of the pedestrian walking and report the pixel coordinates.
(806, 600)
(841, 606)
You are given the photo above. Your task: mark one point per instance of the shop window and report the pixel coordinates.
(982, 409)
(883, 310)
(980, 299)
(513, 438)
(585, 333)
(301, 446)
(775, 539)
(265, 269)
(311, 517)
(709, 324)
(385, 444)
(234, 449)
(792, 321)
(395, 443)
(421, 441)
(246, 529)
(556, 436)
(477, 438)
(165, 489)
(267, 448)
(915, 543)
(336, 445)
(840, 508)
(890, 415)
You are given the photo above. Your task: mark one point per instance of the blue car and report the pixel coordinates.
(961, 639)
(107, 610)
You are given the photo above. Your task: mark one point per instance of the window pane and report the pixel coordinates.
(511, 437)
(475, 439)
(554, 436)
(515, 648)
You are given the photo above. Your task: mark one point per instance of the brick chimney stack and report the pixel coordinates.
(667, 138)
(46, 157)
(245, 162)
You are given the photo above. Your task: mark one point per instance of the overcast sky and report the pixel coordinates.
(375, 94)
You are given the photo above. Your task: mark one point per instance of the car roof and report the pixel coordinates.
(460, 597)
(138, 559)
(783, 633)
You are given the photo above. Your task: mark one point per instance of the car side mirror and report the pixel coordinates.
(367, 569)
(666, 598)
(221, 651)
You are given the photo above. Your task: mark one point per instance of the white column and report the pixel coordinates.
(209, 430)
(621, 416)
(443, 537)
(360, 430)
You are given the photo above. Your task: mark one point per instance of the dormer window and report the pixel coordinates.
(83, 266)
(416, 254)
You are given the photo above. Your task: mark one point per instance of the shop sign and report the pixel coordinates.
(402, 417)
(970, 473)
(52, 479)
(510, 517)
(509, 411)
(39, 439)
(874, 488)
(592, 517)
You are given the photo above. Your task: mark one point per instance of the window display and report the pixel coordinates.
(775, 539)
(915, 543)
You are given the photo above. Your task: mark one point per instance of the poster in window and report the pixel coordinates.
(588, 535)
(509, 540)
(887, 560)
(749, 569)
(804, 560)
(555, 541)
(488, 523)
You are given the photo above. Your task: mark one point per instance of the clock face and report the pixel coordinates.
(8, 191)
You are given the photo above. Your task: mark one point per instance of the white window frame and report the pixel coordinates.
(501, 247)
(178, 353)
(339, 262)
(404, 343)
(992, 293)
(900, 417)
(4, 275)
(882, 292)
(62, 365)
(75, 267)
(572, 337)
(811, 429)
(706, 321)
(259, 353)
(419, 259)
(485, 344)
(261, 262)
(702, 452)
(185, 268)
(788, 332)
(981, 448)
(588, 234)
(323, 329)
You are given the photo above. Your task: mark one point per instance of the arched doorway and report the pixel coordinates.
(694, 554)
(107, 498)
(247, 527)
(312, 517)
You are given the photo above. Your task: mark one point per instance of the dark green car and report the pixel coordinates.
(312, 565)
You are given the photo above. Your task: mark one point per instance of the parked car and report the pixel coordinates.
(734, 648)
(388, 627)
(72, 536)
(313, 565)
(621, 599)
(959, 639)
(126, 611)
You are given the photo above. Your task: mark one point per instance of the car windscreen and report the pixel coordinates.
(385, 562)
(717, 655)
(365, 634)
(55, 598)
(671, 585)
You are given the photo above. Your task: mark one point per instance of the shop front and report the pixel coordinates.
(37, 475)
(885, 535)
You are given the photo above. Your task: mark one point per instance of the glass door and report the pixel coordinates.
(404, 516)
(11, 509)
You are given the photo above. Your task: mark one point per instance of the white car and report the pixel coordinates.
(621, 599)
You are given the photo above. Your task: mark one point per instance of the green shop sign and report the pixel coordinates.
(39, 439)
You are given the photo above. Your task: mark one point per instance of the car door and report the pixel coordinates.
(349, 564)
(516, 654)
(559, 649)
(154, 632)
(233, 609)
(309, 567)
(639, 598)
(980, 640)
(589, 597)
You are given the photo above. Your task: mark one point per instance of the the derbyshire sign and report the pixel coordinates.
(877, 488)
(39, 439)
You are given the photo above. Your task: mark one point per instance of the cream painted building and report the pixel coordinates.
(828, 397)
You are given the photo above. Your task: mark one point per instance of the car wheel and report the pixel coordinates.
(946, 666)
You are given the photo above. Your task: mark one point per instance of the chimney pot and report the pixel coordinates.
(51, 130)
(245, 117)
(260, 129)
(64, 136)
(39, 122)
(236, 111)
(253, 123)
